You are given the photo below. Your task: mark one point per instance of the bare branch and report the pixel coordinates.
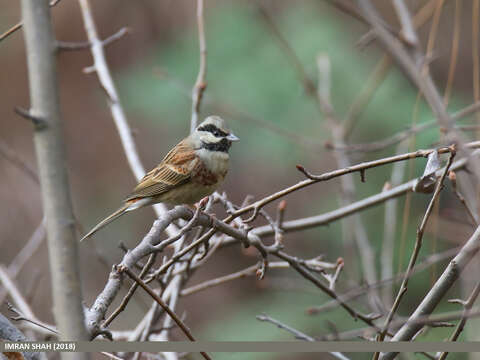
(22, 304)
(408, 29)
(326, 218)
(116, 108)
(361, 290)
(465, 316)
(17, 264)
(416, 251)
(437, 292)
(249, 271)
(297, 333)
(165, 307)
(19, 25)
(422, 80)
(49, 147)
(130, 293)
(74, 46)
(201, 83)
(17, 161)
(21, 317)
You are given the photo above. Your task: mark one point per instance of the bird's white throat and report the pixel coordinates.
(215, 161)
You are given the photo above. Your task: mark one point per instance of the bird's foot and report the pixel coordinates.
(201, 204)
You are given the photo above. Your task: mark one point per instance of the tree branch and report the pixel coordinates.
(201, 83)
(437, 292)
(49, 146)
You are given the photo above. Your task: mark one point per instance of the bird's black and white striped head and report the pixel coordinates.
(212, 134)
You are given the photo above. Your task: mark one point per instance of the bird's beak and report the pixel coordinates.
(232, 137)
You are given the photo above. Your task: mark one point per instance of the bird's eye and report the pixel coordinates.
(216, 133)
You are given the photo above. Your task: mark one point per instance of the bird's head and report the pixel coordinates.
(213, 134)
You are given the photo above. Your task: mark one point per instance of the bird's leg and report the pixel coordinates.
(202, 203)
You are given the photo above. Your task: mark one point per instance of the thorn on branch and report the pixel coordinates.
(305, 172)
(362, 175)
(38, 121)
(89, 69)
(262, 269)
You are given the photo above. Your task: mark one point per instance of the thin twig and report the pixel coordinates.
(201, 83)
(405, 134)
(416, 251)
(368, 319)
(297, 333)
(249, 271)
(164, 306)
(19, 25)
(326, 218)
(131, 291)
(423, 81)
(222, 106)
(19, 261)
(468, 304)
(437, 292)
(116, 108)
(352, 228)
(408, 29)
(454, 53)
(21, 303)
(13, 157)
(475, 50)
(360, 102)
(177, 256)
(340, 172)
(361, 290)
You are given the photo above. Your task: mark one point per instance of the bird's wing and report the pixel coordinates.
(173, 171)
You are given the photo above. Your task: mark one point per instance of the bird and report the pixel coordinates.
(191, 170)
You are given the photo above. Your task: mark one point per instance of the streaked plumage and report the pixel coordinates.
(193, 169)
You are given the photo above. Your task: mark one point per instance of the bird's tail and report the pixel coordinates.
(107, 220)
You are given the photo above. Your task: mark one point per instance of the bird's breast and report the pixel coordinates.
(212, 167)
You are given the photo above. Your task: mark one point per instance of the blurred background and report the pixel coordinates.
(253, 85)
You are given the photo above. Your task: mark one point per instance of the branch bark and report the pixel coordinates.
(438, 291)
(49, 146)
(100, 66)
